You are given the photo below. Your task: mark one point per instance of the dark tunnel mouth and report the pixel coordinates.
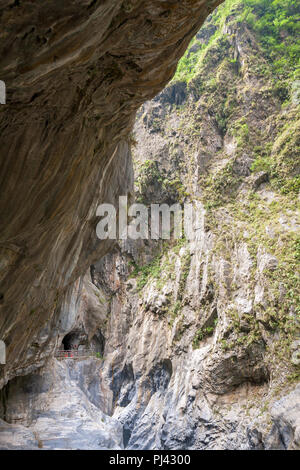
(70, 341)
(77, 339)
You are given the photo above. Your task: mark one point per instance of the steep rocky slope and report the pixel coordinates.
(76, 72)
(198, 341)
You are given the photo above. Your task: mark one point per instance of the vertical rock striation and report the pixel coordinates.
(196, 341)
(75, 74)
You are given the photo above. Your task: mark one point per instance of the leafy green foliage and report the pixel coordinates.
(281, 160)
(241, 132)
(203, 333)
(148, 174)
(98, 355)
(150, 270)
(277, 24)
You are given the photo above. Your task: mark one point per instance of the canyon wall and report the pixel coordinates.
(196, 341)
(75, 73)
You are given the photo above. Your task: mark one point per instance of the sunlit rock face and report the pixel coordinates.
(75, 73)
(65, 414)
(193, 344)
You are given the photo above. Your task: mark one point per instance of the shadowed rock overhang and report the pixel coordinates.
(75, 73)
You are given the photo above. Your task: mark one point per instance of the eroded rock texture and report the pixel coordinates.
(196, 342)
(75, 72)
(64, 415)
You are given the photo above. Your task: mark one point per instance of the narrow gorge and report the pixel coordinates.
(192, 343)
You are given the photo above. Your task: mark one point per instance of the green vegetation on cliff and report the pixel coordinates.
(276, 24)
(232, 114)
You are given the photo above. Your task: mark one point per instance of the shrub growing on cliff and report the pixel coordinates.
(277, 24)
(201, 334)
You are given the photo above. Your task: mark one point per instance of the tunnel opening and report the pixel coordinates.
(78, 340)
(97, 343)
(72, 341)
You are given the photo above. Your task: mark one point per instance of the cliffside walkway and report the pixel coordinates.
(75, 353)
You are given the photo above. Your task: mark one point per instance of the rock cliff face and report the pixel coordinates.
(196, 342)
(75, 73)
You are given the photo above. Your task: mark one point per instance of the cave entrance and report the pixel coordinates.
(78, 340)
(71, 341)
(97, 343)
